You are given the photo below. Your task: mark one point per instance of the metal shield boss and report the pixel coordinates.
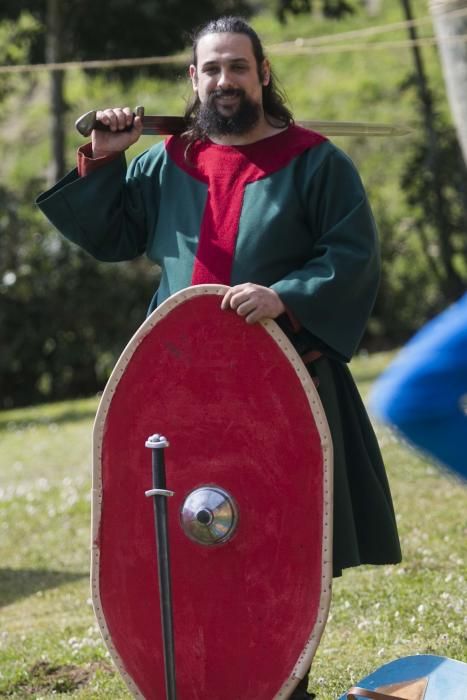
(249, 524)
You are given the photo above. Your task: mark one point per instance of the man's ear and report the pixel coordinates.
(265, 72)
(194, 77)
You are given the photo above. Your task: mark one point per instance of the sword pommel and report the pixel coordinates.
(86, 123)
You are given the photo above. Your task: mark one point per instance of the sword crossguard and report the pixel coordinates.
(159, 492)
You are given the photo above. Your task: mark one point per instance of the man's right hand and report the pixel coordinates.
(116, 140)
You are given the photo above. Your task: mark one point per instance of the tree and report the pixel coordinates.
(332, 9)
(450, 23)
(86, 30)
(95, 30)
(57, 341)
(54, 54)
(427, 182)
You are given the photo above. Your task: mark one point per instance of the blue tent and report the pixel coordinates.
(423, 393)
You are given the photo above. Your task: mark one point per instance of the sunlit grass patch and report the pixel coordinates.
(50, 645)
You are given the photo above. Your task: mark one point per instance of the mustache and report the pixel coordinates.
(228, 92)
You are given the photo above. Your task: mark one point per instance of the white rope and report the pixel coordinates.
(329, 43)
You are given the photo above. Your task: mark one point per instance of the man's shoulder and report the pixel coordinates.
(328, 155)
(306, 137)
(151, 158)
(299, 147)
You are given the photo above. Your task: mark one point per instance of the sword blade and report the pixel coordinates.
(156, 125)
(337, 128)
(160, 125)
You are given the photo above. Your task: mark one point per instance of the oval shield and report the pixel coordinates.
(247, 429)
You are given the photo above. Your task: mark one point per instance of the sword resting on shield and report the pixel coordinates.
(159, 492)
(155, 125)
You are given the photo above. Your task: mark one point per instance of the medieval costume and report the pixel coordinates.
(287, 212)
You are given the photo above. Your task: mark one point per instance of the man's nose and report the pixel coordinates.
(225, 79)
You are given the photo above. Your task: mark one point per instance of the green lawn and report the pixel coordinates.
(49, 643)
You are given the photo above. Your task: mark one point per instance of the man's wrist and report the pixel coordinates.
(87, 161)
(104, 154)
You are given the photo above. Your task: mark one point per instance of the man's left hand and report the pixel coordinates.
(253, 302)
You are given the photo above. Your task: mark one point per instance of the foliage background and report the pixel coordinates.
(64, 318)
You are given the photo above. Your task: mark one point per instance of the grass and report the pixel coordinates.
(49, 643)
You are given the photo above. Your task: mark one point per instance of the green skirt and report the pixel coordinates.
(365, 530)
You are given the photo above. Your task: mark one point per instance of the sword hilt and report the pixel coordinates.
(88, 122)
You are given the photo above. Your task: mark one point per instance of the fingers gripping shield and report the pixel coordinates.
(249, 522)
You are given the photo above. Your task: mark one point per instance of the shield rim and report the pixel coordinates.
(306, 656)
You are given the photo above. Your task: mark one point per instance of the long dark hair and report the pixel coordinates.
(275, 110)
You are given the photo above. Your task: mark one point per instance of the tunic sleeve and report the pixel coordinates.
(333, 294)
(105, 212)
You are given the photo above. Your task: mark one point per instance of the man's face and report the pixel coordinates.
(227, 82)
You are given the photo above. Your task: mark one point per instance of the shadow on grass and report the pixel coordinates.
(44, 677)
(21, 583)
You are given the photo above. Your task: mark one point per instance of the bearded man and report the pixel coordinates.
(248, 199)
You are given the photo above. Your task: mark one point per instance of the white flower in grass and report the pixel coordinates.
(363, 624)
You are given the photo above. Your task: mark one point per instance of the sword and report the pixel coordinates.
(155, 125)
(157, 443)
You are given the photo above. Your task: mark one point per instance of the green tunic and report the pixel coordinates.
(288, 212)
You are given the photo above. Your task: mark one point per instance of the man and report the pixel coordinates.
(248, 199)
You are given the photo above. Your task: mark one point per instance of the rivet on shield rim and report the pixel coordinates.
(209, 515)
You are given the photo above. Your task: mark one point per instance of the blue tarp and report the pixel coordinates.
(423, 393)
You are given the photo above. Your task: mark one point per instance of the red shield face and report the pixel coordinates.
(242, 418)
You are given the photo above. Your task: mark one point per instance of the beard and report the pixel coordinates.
(208, 120)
